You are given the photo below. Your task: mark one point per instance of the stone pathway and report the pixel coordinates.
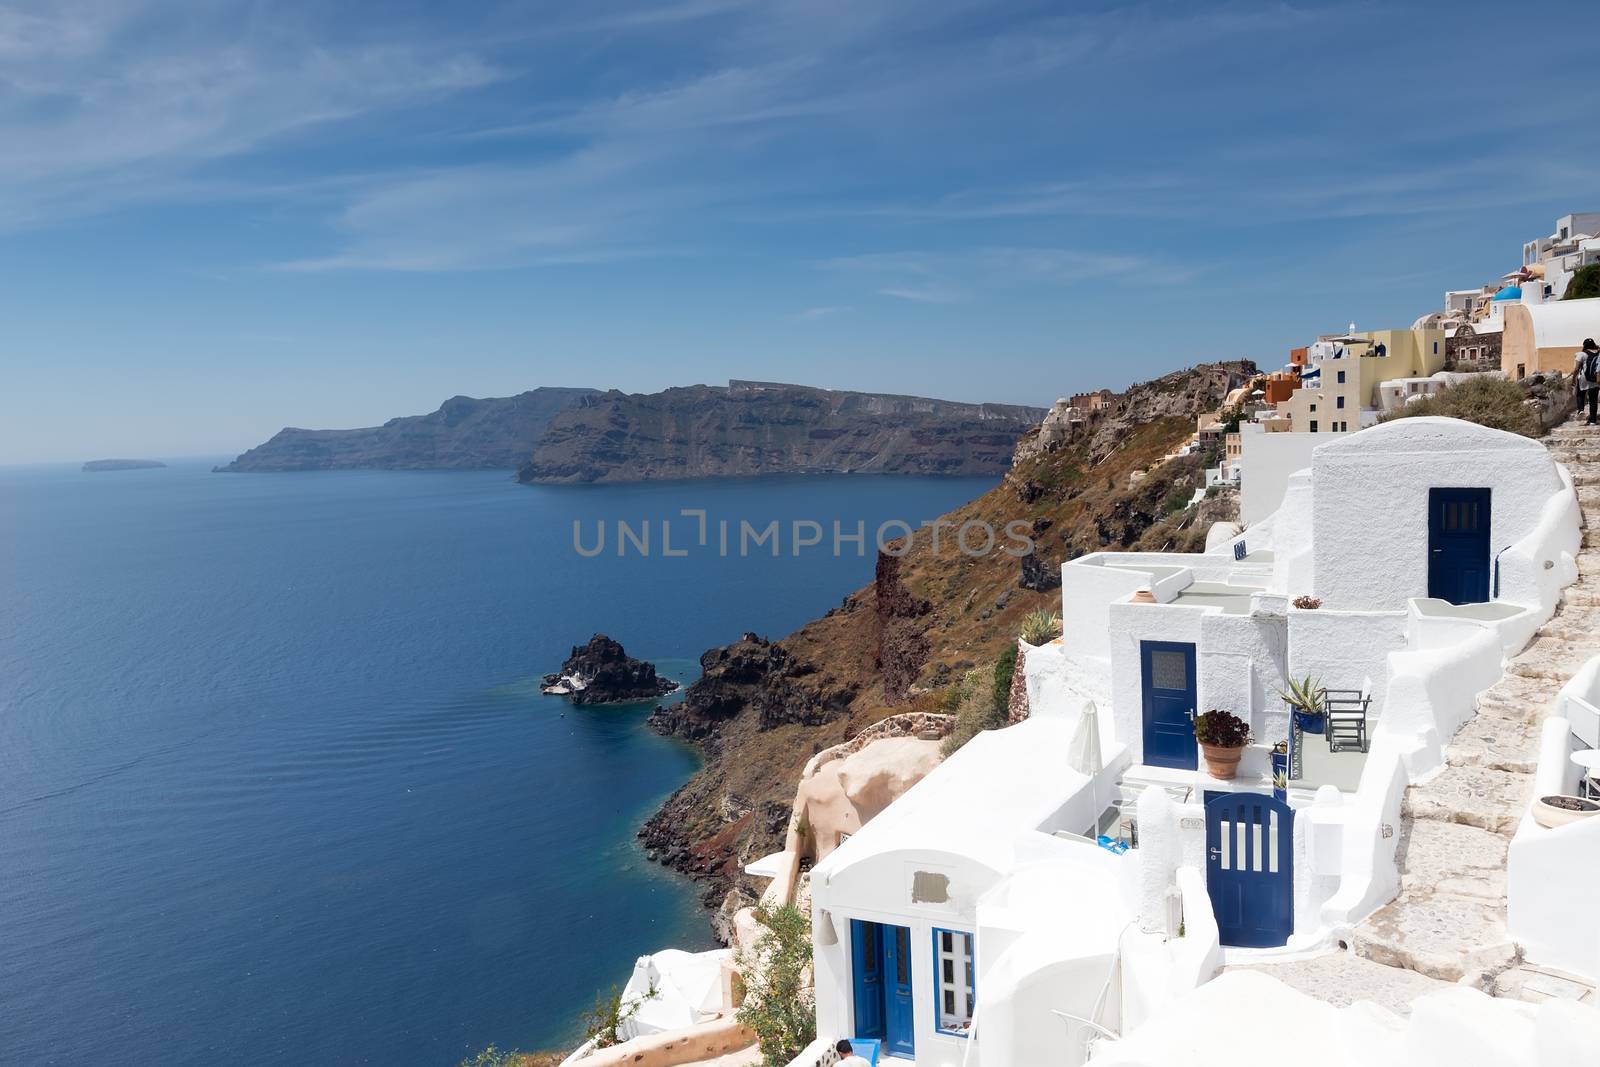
(1449, 922)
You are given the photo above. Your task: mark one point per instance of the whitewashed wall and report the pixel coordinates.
(1342, 649)
(1579, 703)
(1371, 502)
(1129, 625)
(1243, 661)
(1552, 873)
(1369, 874)
(1430, 693)
(1265, 462)
(1292, 539)
(1534, 570)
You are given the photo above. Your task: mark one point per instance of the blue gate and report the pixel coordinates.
(1166, 670)
(1250, 868)
(881, 973)
(1458, 545)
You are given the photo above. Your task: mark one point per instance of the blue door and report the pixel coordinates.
(882, 983)
(899, 1036)
(1250, 868)
(1458, 545)
(866, 945)
(1167, 672)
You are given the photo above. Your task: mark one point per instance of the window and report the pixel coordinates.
(1313, 425)
(1339, 403)
(1313, 407)
(1522, 371)
(1436, 348)
(954, 994)
(1341, 377)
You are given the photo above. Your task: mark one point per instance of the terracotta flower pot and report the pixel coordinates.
(1551, 815)
(1144, 596)
(1222, 762)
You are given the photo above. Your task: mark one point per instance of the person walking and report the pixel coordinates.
(1586, 369)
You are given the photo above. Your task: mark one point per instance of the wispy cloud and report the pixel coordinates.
(825, 312)
(955, 276)
(110, 101)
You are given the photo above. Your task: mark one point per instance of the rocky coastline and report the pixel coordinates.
(762, 708)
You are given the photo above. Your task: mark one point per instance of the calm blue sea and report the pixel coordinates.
(276, 781)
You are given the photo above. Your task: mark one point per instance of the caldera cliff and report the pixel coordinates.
(464, 434)
(763, 707)
(754, 428)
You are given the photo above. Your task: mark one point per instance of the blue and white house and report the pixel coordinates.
(1421, 552)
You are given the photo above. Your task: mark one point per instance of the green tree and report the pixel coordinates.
(1585, 283)
(779, 1004)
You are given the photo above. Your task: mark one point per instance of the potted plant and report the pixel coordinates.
(1307, 603)
(1558, 810)
(1280, 770)
(1222, 736)
(1304, 698)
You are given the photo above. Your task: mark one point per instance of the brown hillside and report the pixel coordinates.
(763, 708)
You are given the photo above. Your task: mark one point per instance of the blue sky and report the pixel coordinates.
(220, 218)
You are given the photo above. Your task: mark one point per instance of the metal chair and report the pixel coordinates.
(1347, 719)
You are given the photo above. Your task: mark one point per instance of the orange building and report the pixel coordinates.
(1281, 385)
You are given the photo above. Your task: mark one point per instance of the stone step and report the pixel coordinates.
(1342, 978)
(1503, 744)
(1551, 658)
(1474, 796)
(1575, 625)
(1450, 857)
(1439, 935)
(1581, 596)
(1515, 707)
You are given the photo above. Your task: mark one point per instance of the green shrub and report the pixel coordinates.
(1585, 283)
(979, 703)
(1004, 669)
(601, 1022)
(1492, 402)
(497, 1057)
(779, 1004)
(1040, 627)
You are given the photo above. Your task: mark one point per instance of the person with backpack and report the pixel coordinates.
(1586, 369)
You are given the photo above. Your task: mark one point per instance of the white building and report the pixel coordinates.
(1552, 260)
(899, 908)
(1433, 549)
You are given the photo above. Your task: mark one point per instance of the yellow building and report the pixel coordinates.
(1343, 375)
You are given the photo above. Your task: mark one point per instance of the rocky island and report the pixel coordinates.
(601, 672)
(121, 465)
(752, 428)
(464, 434)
